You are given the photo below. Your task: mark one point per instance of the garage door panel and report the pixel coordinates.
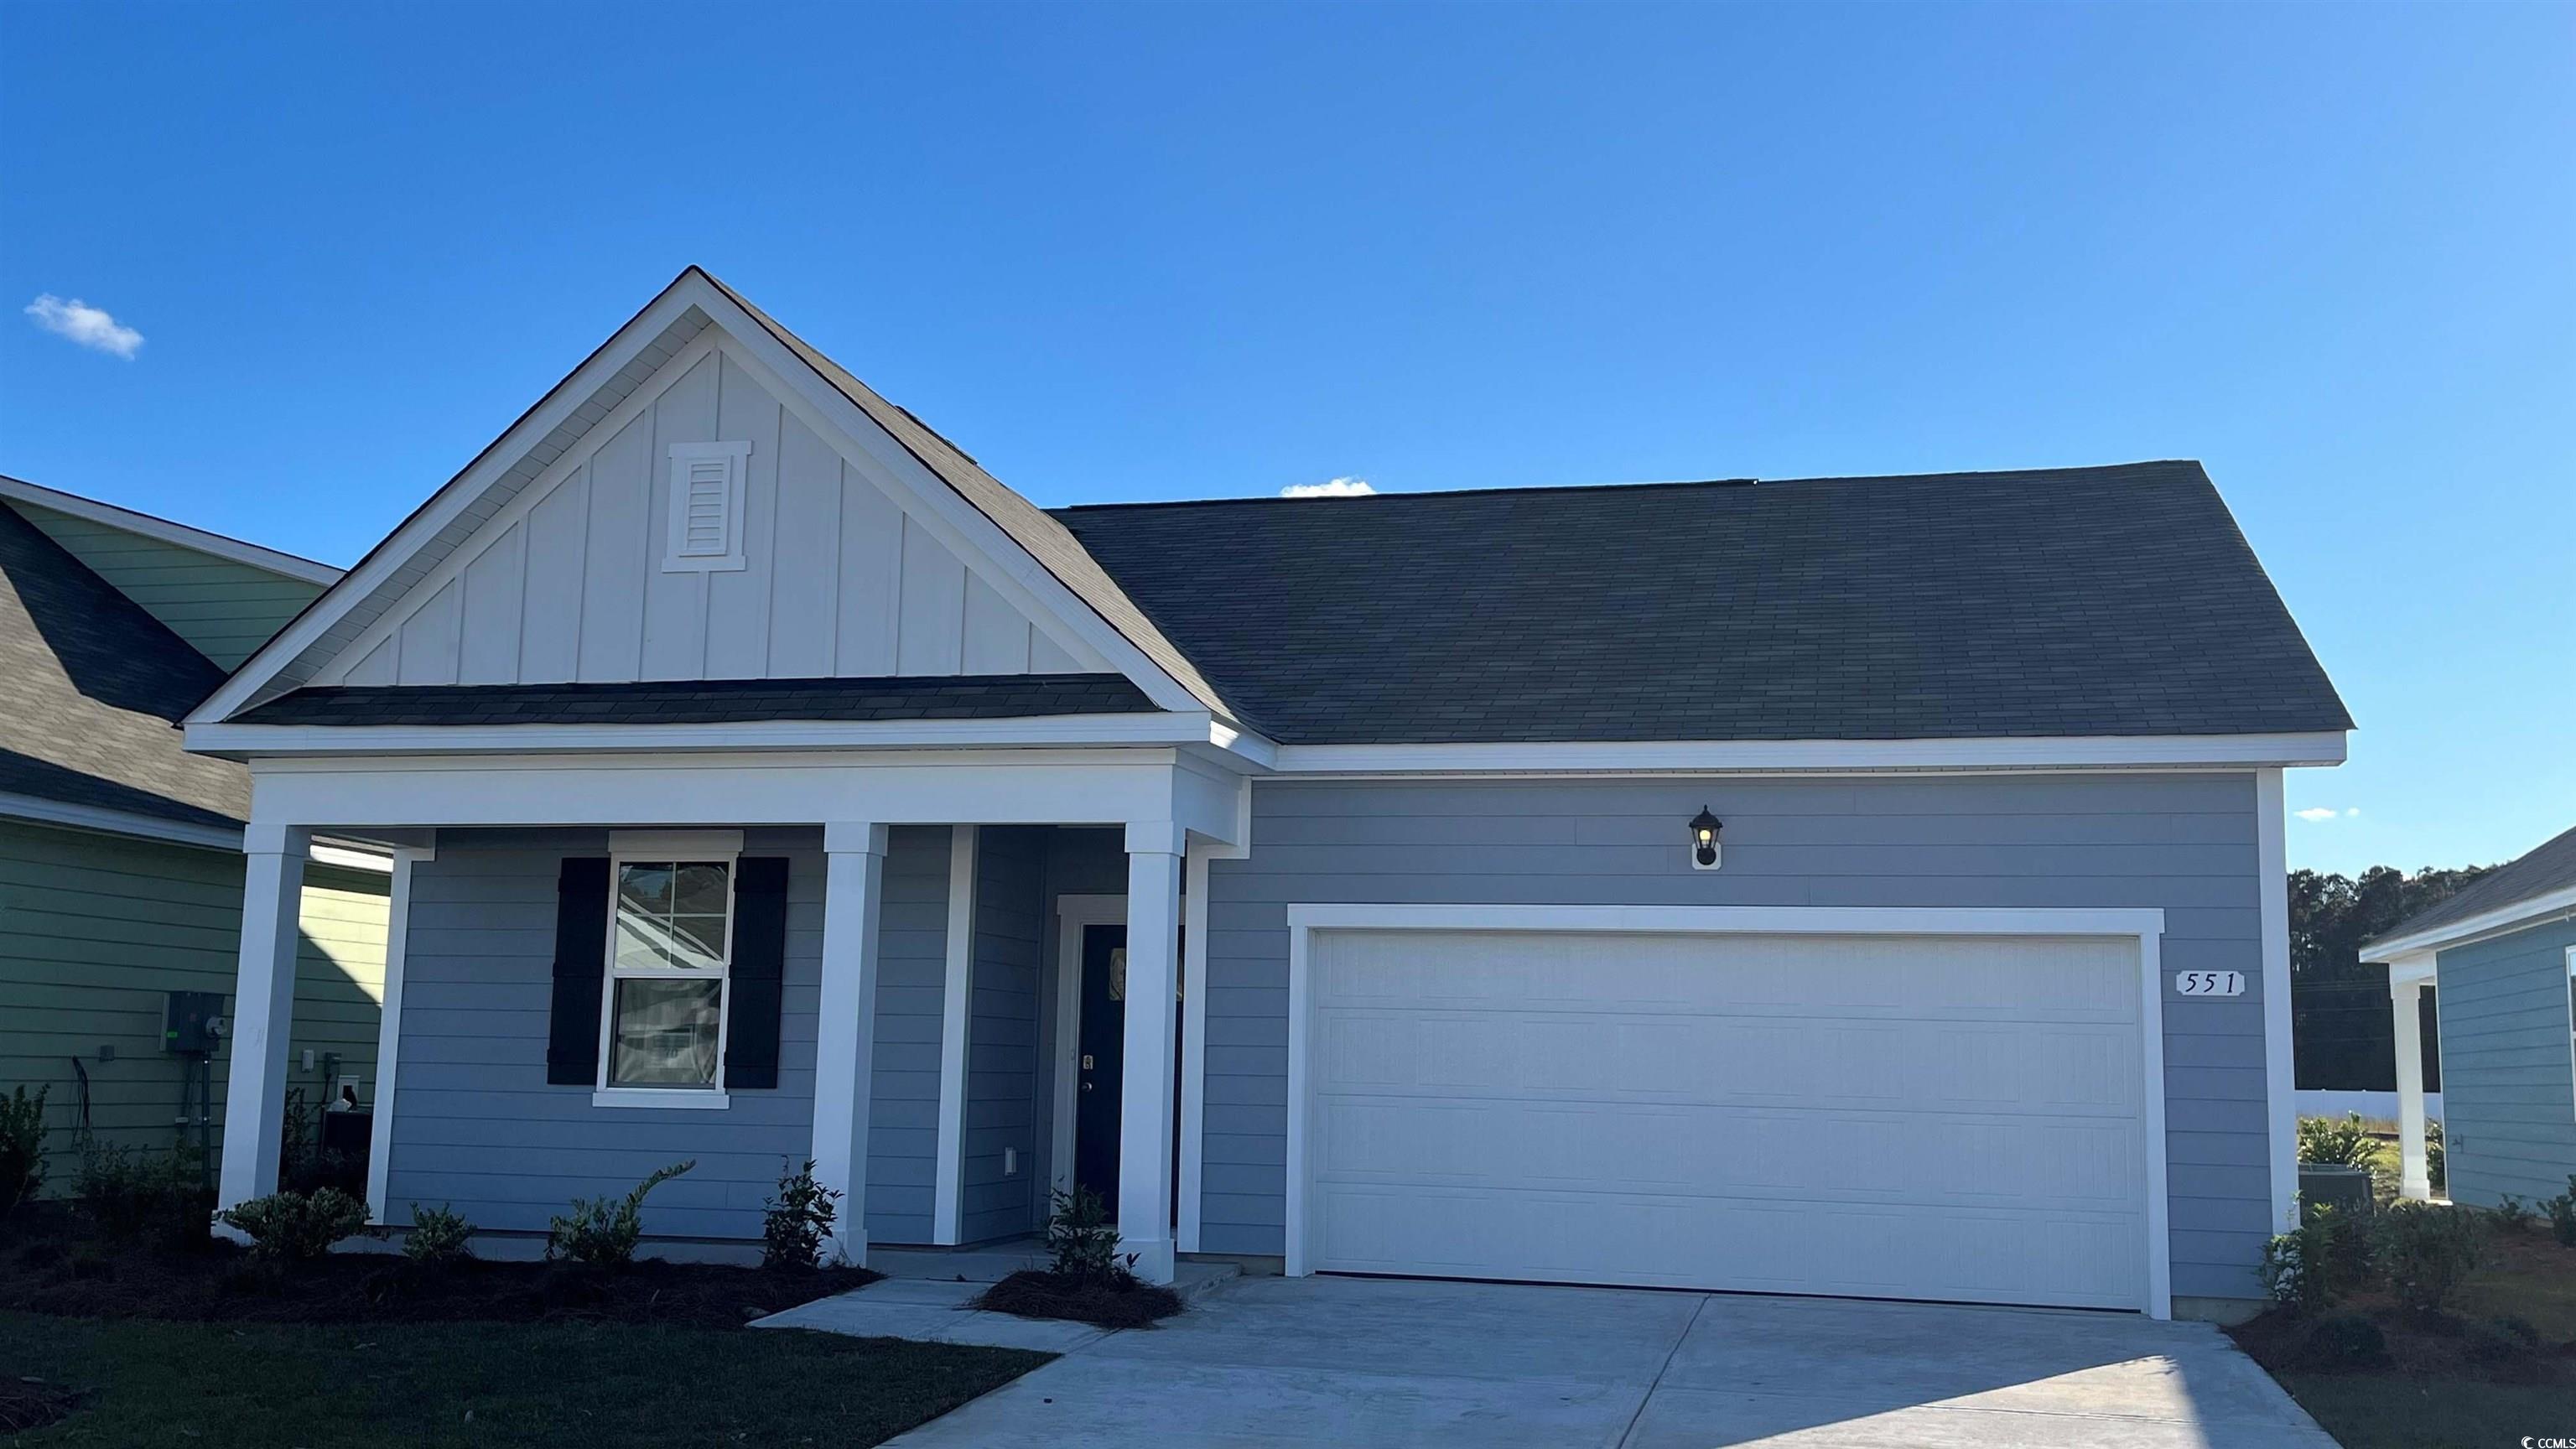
(1732, 1152)
(1700, 1058)
(1909, 1251)
(2070, 977)
(1934, 1117)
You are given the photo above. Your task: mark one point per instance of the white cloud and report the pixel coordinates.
(1338, 488)
(2313, 815)
(2319, 814)
(91, 327)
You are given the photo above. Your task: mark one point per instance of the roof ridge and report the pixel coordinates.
(1642, 485)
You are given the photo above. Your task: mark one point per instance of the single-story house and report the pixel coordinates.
(120, 852)
(1864, 886)
(2502, 953)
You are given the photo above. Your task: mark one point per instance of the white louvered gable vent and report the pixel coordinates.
(706, 507)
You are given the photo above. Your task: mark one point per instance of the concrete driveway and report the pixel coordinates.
(1273, 1361)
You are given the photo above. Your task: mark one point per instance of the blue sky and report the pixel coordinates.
(1181, 251)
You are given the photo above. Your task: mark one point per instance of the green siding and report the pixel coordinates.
(2508, 1076)
(225, 609)
(95, 928)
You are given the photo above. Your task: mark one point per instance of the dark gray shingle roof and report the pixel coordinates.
(2549, 868)
(2079, 601)
(720, 701)
(91, 692)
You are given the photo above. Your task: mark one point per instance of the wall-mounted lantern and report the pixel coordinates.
(1703, 831)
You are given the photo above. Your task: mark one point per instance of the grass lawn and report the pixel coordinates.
(218, 1385)
(2430, 1400)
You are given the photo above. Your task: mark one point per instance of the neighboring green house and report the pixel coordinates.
(2502, 955)
(120, 853)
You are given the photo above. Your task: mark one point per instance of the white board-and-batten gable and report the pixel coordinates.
(783, 556)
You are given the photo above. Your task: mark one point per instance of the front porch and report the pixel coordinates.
(597, 971)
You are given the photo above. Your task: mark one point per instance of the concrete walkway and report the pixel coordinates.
(1272, 1361)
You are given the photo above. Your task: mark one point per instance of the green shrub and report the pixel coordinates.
(2339, 1142)
(603, 1232)
(2512, 1214)
(2504, 1348)
(2311, 1267)
(2562, 1214)
(2423, 1250)
(139, 1195)
(2344, 1341)
(2436, 1167)
(797, 1220)
(295, 1227)
(438, 1236)
(1081, 1239)
(22, 1147)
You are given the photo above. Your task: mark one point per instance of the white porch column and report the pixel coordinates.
(380, 1149)
(853, 887)
(2406, 1003)
(263, 1009)
(1145, 1105)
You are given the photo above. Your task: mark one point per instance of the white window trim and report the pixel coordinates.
(649, 847)
(737, 460)
(2571, 1018)
(2145, 926)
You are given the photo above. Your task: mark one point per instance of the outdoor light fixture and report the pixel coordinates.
(1703, 829)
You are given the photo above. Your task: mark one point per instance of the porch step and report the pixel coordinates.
(993, 1262)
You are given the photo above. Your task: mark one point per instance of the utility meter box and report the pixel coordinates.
(192, 1023)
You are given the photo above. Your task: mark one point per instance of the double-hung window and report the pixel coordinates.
(670, 949)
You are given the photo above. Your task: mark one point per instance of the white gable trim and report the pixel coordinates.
(162, 530)
(460, 493)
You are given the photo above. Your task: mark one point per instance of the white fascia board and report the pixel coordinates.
(163, 530)
(1656, 756)
(40, 811)
(242, 741)
(459, 493)
(2418, 970)
(2502, 920)
(735, 791)
(958, 523)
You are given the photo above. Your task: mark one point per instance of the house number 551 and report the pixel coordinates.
(2209, 983)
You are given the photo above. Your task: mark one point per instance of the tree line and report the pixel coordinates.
(2340, 1028)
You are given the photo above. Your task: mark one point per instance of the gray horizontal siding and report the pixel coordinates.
(2508, 1086)
(2182, 843)
(477, 1125)
(1002, 1035)
(903, 1104)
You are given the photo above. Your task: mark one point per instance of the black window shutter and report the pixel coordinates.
(581, 962)
(759, 968)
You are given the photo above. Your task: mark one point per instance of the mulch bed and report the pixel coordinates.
(2448, 1344)
(1121, 1303)
(55, 1265)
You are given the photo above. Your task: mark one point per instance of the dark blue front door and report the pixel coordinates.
(1104, 1053)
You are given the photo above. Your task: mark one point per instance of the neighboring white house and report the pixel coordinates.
(1852, 886)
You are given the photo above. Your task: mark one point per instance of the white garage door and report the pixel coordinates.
(1905, 1117)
